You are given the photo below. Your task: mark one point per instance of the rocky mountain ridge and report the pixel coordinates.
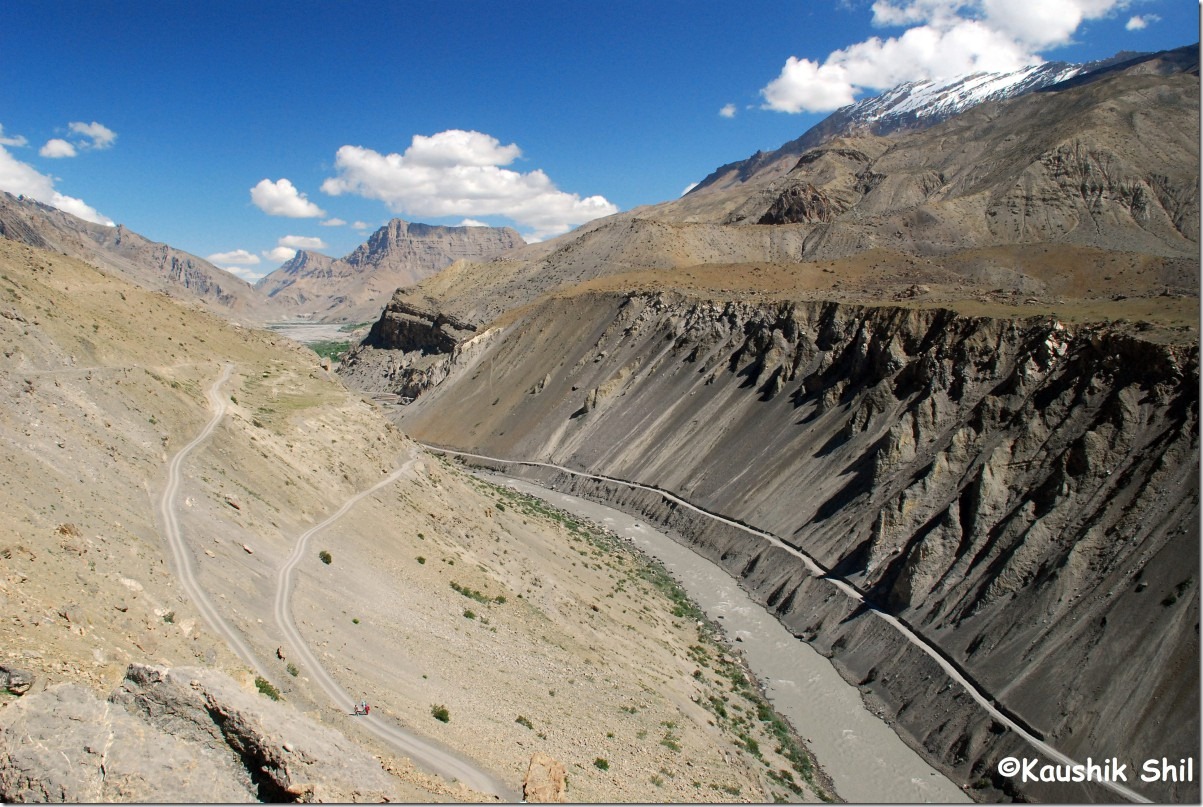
(920, 104)
(119, 250)
(310, 285)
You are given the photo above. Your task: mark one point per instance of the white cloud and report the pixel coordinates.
(238, 256)
(280, 254)
(458, 173)
(946, 38)
(808, 86)
(249, 275)
(728, 111)
(18, 140)
(689, 187)
(301, 242)
(333, 223)
(1141, 22)
(361, 225)
(23, 179)
(57, 147)
(95, 135)
(281, 198)
(472, 223)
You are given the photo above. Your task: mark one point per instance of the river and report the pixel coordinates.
(865, 759)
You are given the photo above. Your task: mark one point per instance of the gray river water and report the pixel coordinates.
(865, 759)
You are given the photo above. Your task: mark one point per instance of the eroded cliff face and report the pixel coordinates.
(1023, 493)
(410, 349)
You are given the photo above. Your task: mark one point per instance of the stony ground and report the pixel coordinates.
(533, 633)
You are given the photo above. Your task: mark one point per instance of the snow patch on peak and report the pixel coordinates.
(945, 97)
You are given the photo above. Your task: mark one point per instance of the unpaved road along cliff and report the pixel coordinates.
(1022, 493)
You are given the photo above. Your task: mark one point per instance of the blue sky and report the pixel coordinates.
(539, 115)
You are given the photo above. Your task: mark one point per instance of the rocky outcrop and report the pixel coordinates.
(410, 349)
(546, 781)
(182, 734)
(407, 327)
(801, 203)
(1023, 493)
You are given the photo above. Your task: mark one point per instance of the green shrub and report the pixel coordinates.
(523, 721)
(292, 669)
(421, 560)
(325, 557)
(469, 613)
(601, 764)
(439, 712)
(265, 687)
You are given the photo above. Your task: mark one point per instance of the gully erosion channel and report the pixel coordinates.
(865, 759)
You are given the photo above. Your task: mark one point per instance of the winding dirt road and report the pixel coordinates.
(983, 698)
(423, 752)
(180, 555)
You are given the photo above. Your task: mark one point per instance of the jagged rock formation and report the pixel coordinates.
(1022, 492)
(177, 734)
(128, 255)
(399, 254)
(415, 343)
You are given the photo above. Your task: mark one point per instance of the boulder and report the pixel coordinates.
(546, 780)
(15, 681)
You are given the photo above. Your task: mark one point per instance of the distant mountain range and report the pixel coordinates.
(401, 253)
(1106, 161)
(850, 195)
(310, 285)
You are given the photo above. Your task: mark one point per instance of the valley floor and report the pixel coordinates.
(866, 760)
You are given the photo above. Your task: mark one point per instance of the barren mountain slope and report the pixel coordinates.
(1112, 165)
(104, 382)
(356, 287)
(921, 104)
(1022, 492)
(126, 254)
